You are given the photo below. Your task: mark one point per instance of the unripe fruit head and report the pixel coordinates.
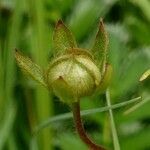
(73, 73)
(73, 76)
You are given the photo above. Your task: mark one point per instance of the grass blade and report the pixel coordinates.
(7, 125)
(133, 108)
(112, 123)
(39, 48)
(83, 113)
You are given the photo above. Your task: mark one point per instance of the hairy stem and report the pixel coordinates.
(80, 128)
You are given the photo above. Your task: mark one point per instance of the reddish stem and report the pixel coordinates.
(80, 128)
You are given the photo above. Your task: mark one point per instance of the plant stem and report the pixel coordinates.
(69, 115)
(80, 128)
(112, 122)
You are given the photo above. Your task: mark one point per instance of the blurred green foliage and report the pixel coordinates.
(28, 25)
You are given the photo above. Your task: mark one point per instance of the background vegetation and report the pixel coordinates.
(28, 25)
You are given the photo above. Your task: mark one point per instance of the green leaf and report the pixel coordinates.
(30, 68)
(101, 45)
(62, 38)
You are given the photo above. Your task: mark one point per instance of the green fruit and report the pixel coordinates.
(73, 76)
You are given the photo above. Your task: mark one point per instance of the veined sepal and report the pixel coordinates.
(106, 79)
(63, 39)
(63, 90)
(100, 47)
(30, 68)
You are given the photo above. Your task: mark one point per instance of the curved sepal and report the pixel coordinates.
(100, 46)
(106, 78)
(62, 38)
(63, 91)
(30, 68)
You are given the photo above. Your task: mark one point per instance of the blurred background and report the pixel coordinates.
(28, 26)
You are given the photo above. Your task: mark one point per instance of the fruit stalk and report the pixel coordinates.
(80, 128)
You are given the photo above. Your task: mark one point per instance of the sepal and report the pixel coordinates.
(100, 46)
(62, 39)
(62, 89)
(30, 68)
(106, 79)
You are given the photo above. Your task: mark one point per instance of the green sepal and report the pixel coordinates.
(106, 78)
(30, 68)
(63, 91)
(100, 46)
(62, 39)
